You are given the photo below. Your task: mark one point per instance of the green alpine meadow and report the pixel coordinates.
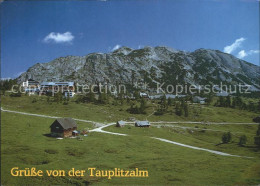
(131, 93)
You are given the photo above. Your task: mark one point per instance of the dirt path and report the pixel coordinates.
(158, 122)
(192, 128)
(103, 131)
(206, 123)
(96, 124)
(100, 129)
(198, 148)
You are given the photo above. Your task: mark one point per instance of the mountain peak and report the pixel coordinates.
(161, 64)
(123, 50)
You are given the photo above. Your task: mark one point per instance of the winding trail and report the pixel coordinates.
(55, 117)
(206, 123)
(192, 128)
(198, 148)
(102, 126)
(99, 129)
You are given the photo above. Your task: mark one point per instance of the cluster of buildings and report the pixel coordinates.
(137, 123)
(67, 88)
(34, 87)
(195, 99)
(67, 127)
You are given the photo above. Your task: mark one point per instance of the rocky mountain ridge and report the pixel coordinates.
(149, 64)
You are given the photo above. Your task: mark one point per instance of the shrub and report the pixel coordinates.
(257, 141)
(158, 112)
(65, 103)
(34, 100)
(134, 109)
(226, 138)
(75, 152)
(258, 131)
(229, 137)
(51, 151)
(257, 138)
(19, 94)
(242, 140)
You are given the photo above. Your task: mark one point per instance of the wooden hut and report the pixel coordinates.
(142, 124)
(120, 124)
(199, 100)
(63, 127)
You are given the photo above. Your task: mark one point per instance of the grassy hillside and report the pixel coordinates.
(25, 145)
(200, 136)
(111, 112)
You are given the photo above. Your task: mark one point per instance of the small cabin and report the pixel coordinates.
(143, 95)
(142, 124)
(199, 100)
(63, 127)
(30, 83)
(120, 124)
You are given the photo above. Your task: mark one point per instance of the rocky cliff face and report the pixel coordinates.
(150, 64)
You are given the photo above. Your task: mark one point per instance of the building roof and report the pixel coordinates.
(31, 80)
(222, 93)
(57, 83)
(66, 123)
(155, 96)
(121, 122)
(158, 96)
(143, 94)
(47, 84)
(199, 98)
(142, 123)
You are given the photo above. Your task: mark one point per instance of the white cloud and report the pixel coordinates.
(65, 37)
(116, 47)
(253, 52)
(230, 48)
(243, 53)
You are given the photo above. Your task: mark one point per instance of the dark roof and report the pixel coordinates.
(31, 80)
(66, 123)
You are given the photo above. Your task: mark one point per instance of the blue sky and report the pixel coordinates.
(35, 32)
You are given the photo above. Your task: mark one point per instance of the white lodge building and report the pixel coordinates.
(64, 87)
(31, 86)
